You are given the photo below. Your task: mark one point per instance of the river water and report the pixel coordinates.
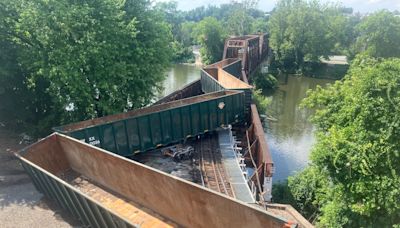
(290, 137)
(178, 76)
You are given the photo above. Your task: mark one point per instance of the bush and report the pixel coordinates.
(261, 101)
(265, 82)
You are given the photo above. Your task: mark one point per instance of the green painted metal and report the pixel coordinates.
(210, 84)
(170, 123)
(81, 206)
(235, 68)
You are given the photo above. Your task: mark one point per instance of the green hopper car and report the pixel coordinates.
(151, 127)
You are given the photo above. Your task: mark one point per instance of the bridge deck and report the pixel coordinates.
(231, 164)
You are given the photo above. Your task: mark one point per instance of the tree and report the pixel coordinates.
(187, 33)
(301, 31)
(87, 58)
(239, 21)
(259, 25)
(182, 51)
(211, 35)
(379, 35)
(357, 148)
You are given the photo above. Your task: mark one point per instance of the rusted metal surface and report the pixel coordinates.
(263, 152)
(165, 199)
(215, 78)
(234, 68)
(288, 212)
(190, 90)
(258, 155)
(131, 211)
(251, 49)
(223, 63)
(42, 161)
(211, 166)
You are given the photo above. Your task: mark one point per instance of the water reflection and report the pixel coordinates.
(178, 76)
(290, 138)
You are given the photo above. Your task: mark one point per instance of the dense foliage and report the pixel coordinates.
(211, 36)
(81, 59)
(302, 30)
(354, 177)
(379, 35)
(189, 27)
(181, 44)
(261, 101)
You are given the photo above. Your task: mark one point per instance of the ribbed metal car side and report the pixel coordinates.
(104, 190)
(82, 207)
(126, 136)
(210, 84)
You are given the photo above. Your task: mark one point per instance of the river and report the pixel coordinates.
(290, 137)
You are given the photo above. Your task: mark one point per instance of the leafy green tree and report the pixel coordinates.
(259, 25)
(180, 45)
(239, 21)
(211, 35)
(84, 59)
(301, 31)
(379, 35)
(187, 33)
(357, 148)
(308, 189)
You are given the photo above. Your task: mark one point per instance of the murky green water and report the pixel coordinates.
(290, 137)
(178, 76)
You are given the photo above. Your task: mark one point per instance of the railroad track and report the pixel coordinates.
(212, 170)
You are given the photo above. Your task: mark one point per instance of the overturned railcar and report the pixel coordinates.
(151, 127)
(105, 190)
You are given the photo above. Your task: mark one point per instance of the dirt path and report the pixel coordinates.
(21, 205)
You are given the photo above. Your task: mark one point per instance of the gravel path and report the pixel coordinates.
(21, 205)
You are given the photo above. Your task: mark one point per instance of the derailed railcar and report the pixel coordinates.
(264, 45)
(118, 192)
(251, 49)
(215, 77)
(148, 128)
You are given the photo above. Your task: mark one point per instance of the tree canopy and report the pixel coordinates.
(379, 35)
(303, 30)
(211, 35)
(356, 156)
(83, 59)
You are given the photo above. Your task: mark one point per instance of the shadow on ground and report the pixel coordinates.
(21, 205)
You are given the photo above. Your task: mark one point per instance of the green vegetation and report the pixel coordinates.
(261, 101)
(354, 176)
(181, 45)
(379, 35)
(209, 27)
(303, 31)
(210, 33)
(265, 82)
(66, 61)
